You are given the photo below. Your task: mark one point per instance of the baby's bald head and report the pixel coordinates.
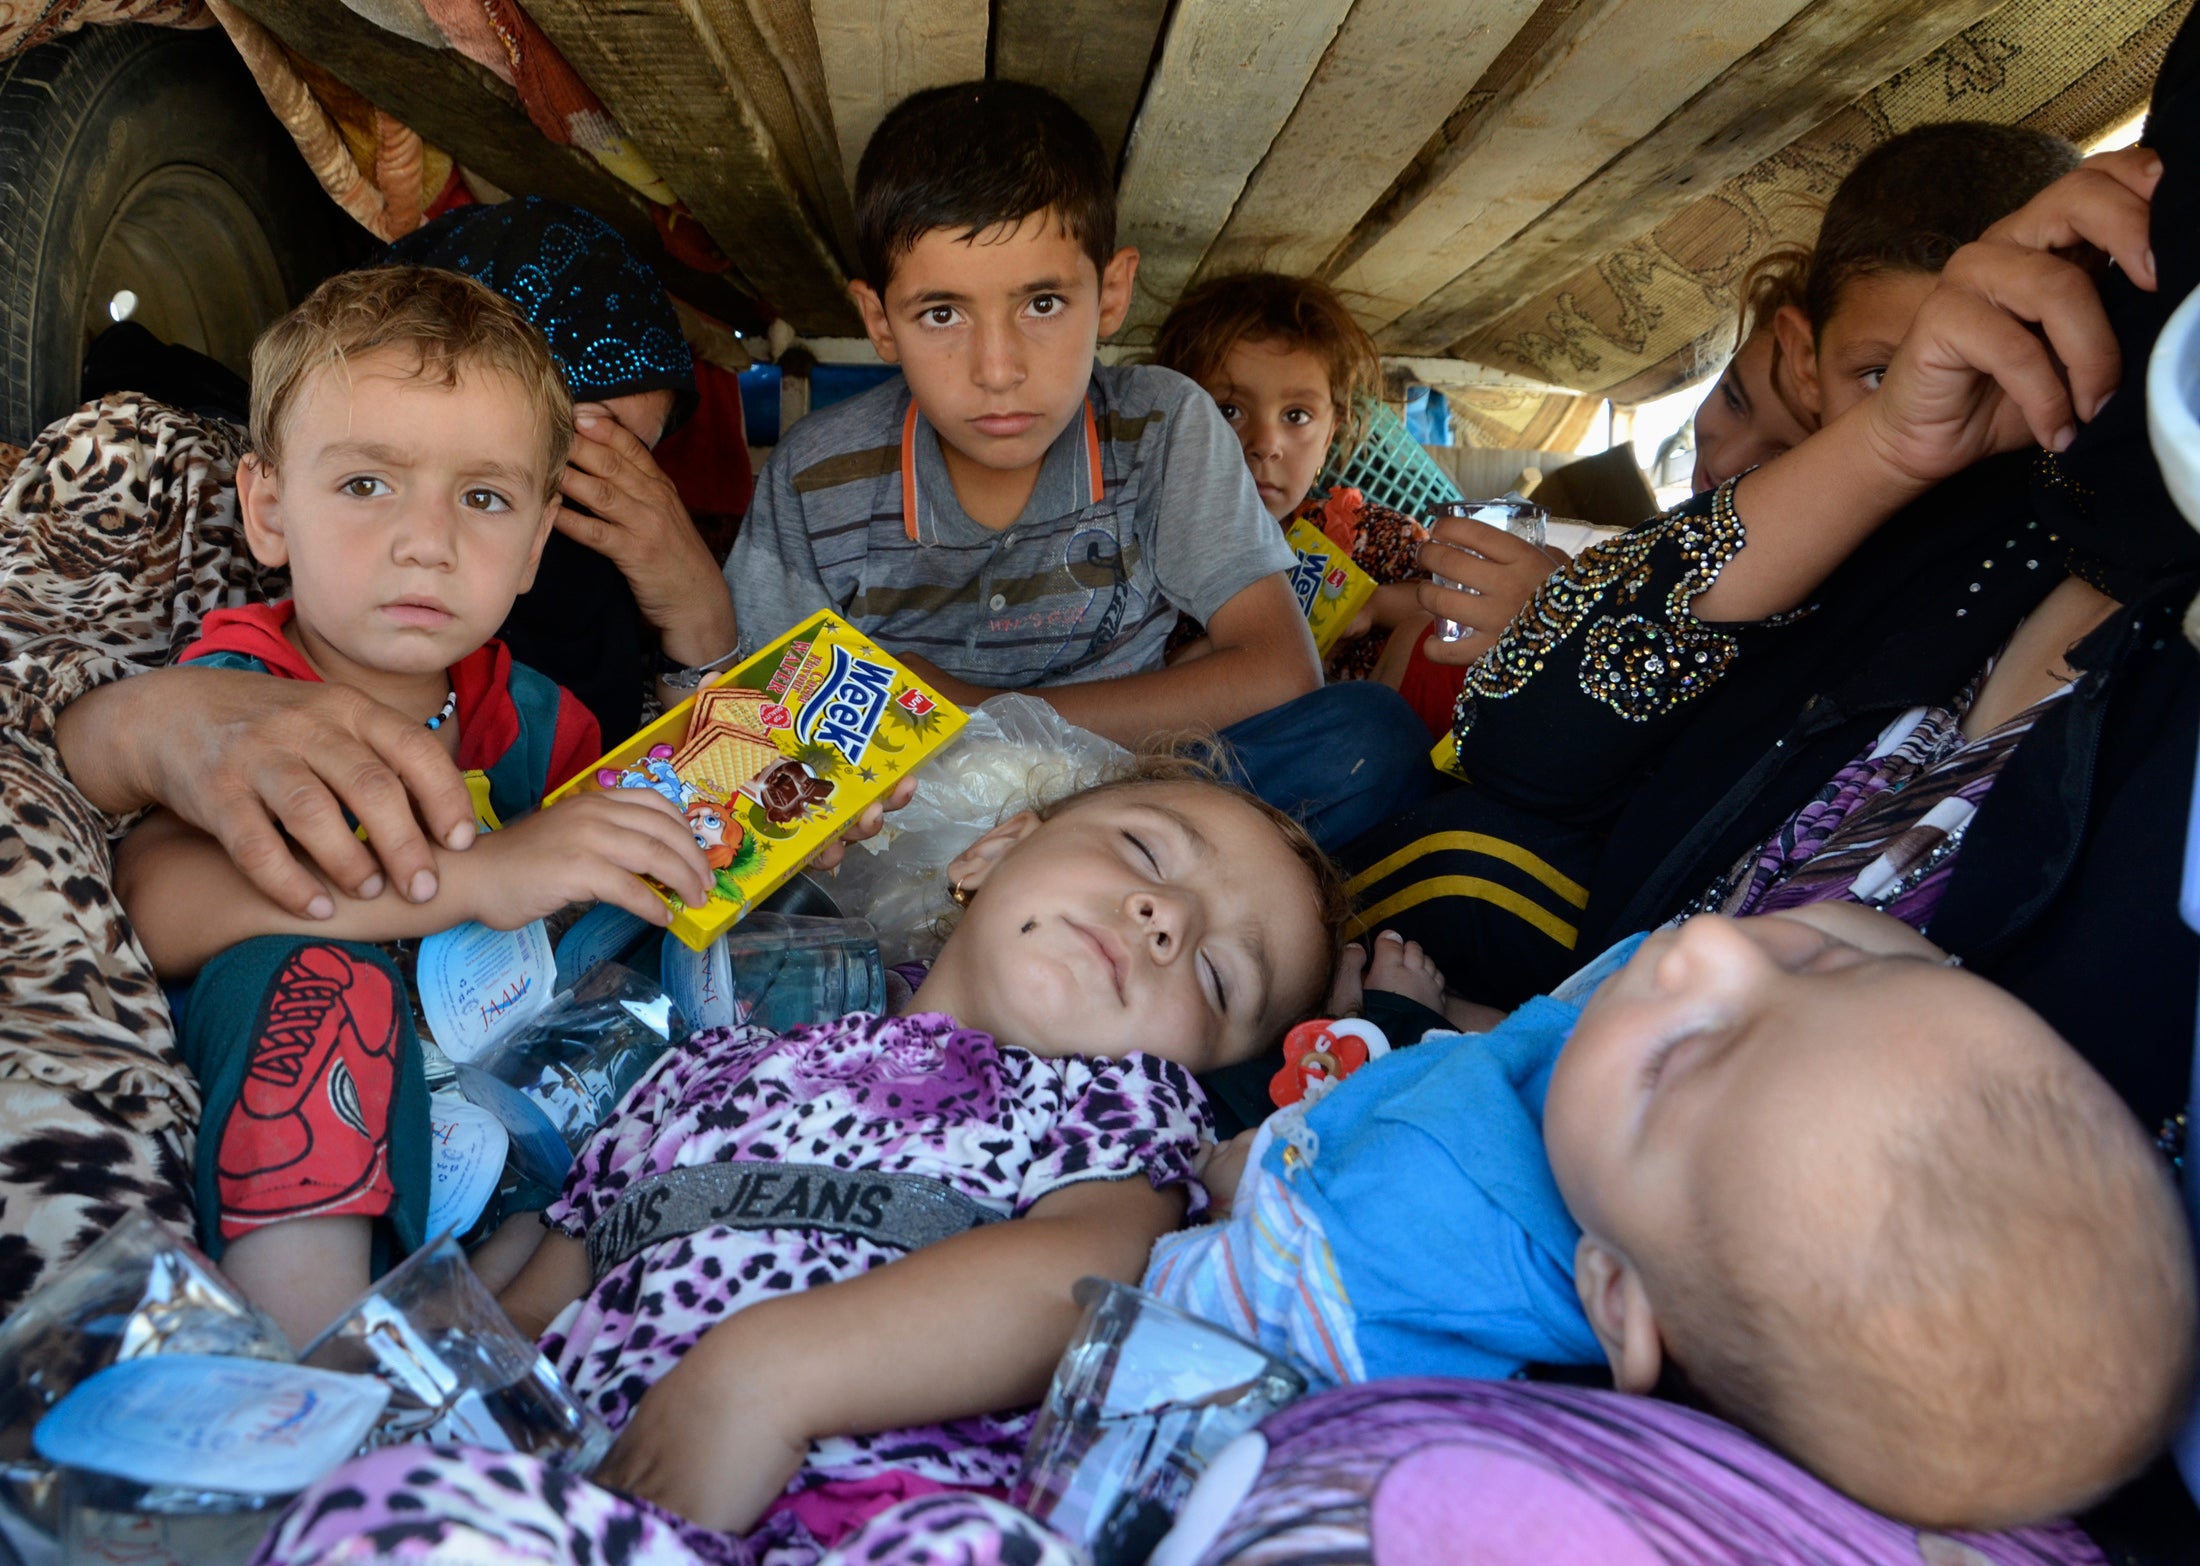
(1989, 1316)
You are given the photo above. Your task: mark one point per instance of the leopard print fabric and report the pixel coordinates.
(914, 1095)
(422, 1504)
(118, 533)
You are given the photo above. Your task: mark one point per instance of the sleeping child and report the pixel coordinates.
(1796, 1168)
(809, 1274)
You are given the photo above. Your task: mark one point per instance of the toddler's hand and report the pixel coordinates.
(704, 1441)
(1220, 1166)
(589, 849)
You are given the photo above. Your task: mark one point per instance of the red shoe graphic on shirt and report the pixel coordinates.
(309, 1136)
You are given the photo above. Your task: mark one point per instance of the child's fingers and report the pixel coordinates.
(640, 831)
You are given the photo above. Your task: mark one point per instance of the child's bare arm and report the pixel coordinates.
(554, 1277)
(971, 1325)
(1260, 655)
(187, 901)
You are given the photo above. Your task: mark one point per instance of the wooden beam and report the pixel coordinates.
(1396, 68)
(1231, 72)
(787, 34)
(878, 52)
(1093, 53)
(668, 76)
(1825, 59)
(465, 110)
(1608, 75)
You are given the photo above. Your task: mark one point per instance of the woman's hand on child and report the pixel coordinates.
(247, 759)
(2012, 346)
(1497, 575)
(634, 518)
(588, 848)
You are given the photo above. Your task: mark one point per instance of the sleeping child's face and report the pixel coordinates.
(1877, 1210)
(1168, 917)
(1724, 1040)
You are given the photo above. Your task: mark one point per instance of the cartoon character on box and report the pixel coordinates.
(653, 771)
(786, 790)
(717, 834)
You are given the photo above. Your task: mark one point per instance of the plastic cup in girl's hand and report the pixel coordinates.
(1523, 519)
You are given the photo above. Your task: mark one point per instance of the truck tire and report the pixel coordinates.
(141, 164)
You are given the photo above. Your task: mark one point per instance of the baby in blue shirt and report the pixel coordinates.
(1859, 1202)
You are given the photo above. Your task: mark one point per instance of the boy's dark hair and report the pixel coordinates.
(1914, 201)
(974, 156)
(1296, 312)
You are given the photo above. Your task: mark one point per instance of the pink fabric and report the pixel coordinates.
(1518, 1512)
(838, 1507)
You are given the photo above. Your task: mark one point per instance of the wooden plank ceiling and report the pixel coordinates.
(1561, 190)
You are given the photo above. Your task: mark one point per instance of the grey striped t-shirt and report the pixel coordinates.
(1075, 589)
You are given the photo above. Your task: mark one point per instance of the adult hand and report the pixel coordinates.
(635, 518)
(867, 824)
(1502, 572)
(2013, 345)
(246, 759)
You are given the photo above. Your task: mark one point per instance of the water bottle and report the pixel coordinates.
(777, 971)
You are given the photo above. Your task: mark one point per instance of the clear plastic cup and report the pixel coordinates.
(456, 1367)
(137, 1291)
(110, 1519)
(552, 1082)
(1141, 1403)
(777, 971)
(1524, 519)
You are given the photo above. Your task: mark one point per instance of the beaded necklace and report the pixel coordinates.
(450, 705)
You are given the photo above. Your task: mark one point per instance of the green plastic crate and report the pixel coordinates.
(1391, 469)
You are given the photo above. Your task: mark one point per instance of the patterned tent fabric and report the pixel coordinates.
(25, 24)
(373, 167)
(499, 36)
(1659, 311)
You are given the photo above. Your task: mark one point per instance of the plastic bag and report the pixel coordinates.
(137, 1292)
(554, 1081)
(1017, 753)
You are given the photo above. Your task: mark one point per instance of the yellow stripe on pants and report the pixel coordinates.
(1523, 908)
(1497, 848)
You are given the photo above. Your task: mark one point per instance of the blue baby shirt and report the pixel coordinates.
(1433, 1188)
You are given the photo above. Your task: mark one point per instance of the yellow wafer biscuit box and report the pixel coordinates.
(1331, 589)
(775, 758)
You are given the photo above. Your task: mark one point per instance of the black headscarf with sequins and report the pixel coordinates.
(2105, 494)
(609, 321)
